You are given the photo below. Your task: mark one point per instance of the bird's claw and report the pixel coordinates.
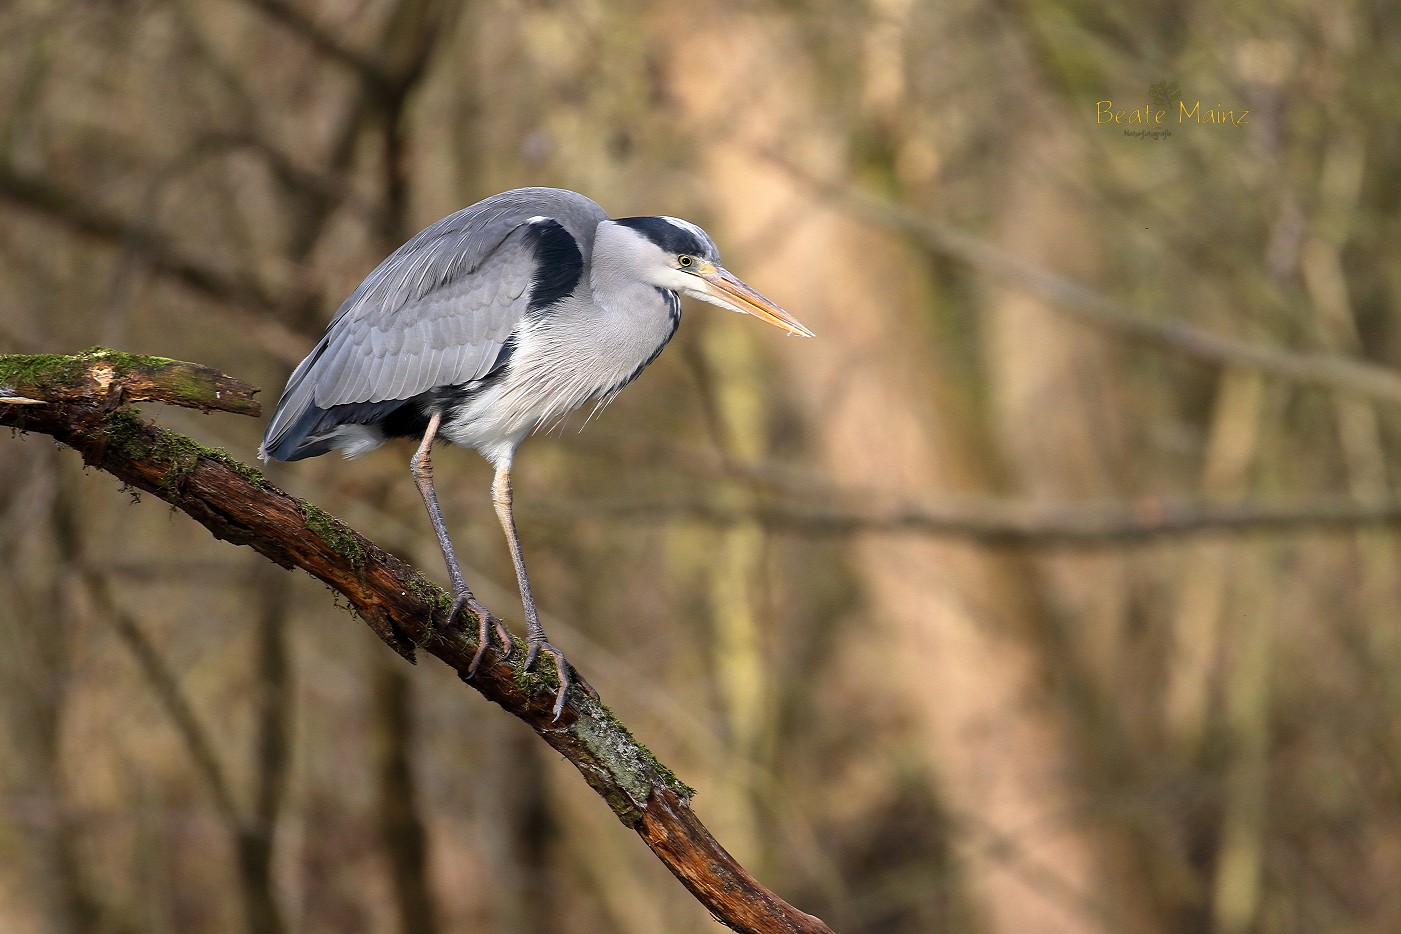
(566, 680)
(487, 622)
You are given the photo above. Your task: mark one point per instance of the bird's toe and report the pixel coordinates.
(568, 679)
(487, 623)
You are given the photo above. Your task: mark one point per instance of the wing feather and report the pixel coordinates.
(435, 313)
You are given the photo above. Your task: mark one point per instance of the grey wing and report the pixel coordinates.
(436, 312)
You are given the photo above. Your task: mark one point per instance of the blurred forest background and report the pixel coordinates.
(1053, 587)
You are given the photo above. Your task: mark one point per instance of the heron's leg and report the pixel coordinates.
(535, 640)
(422, 468)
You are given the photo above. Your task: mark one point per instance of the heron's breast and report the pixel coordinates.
(560, 362)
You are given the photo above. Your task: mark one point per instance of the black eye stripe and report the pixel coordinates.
(671, 238)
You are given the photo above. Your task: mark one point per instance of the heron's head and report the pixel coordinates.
(670, 253)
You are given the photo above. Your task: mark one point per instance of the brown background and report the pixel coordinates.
(805, 572)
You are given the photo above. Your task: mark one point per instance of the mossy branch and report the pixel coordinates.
(78, 402)
(115, 377)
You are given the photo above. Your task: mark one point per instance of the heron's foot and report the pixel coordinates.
(566, 681)
(487, 622)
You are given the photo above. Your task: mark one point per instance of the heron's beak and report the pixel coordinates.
(722, 288)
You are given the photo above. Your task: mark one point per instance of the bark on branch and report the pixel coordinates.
(61, 398)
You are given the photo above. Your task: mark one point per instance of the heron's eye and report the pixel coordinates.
(684, 261)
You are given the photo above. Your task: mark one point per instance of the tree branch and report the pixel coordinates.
(324, 43)
(1321, 369)
(80, 215)
(406, 611)
(998, 522)
(116, 378)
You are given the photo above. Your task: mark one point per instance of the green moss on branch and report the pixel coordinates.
(100, 374)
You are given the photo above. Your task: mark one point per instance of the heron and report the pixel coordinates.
(488, 325)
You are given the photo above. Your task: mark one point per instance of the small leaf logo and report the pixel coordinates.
(1165, 92)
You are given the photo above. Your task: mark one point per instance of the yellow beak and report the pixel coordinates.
(723, 288)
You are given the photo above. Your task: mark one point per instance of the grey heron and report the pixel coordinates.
(493, 322)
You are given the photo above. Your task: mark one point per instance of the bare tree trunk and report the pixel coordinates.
(962, 629)
(404, 839)
(520, 830)
(272, 755)
(1061, 425)
(73, 905)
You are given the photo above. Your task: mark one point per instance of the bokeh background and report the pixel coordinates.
(1052, 588)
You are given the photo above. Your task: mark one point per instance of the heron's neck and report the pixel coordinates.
(621, 294)
(632, 313)
(630, 320)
